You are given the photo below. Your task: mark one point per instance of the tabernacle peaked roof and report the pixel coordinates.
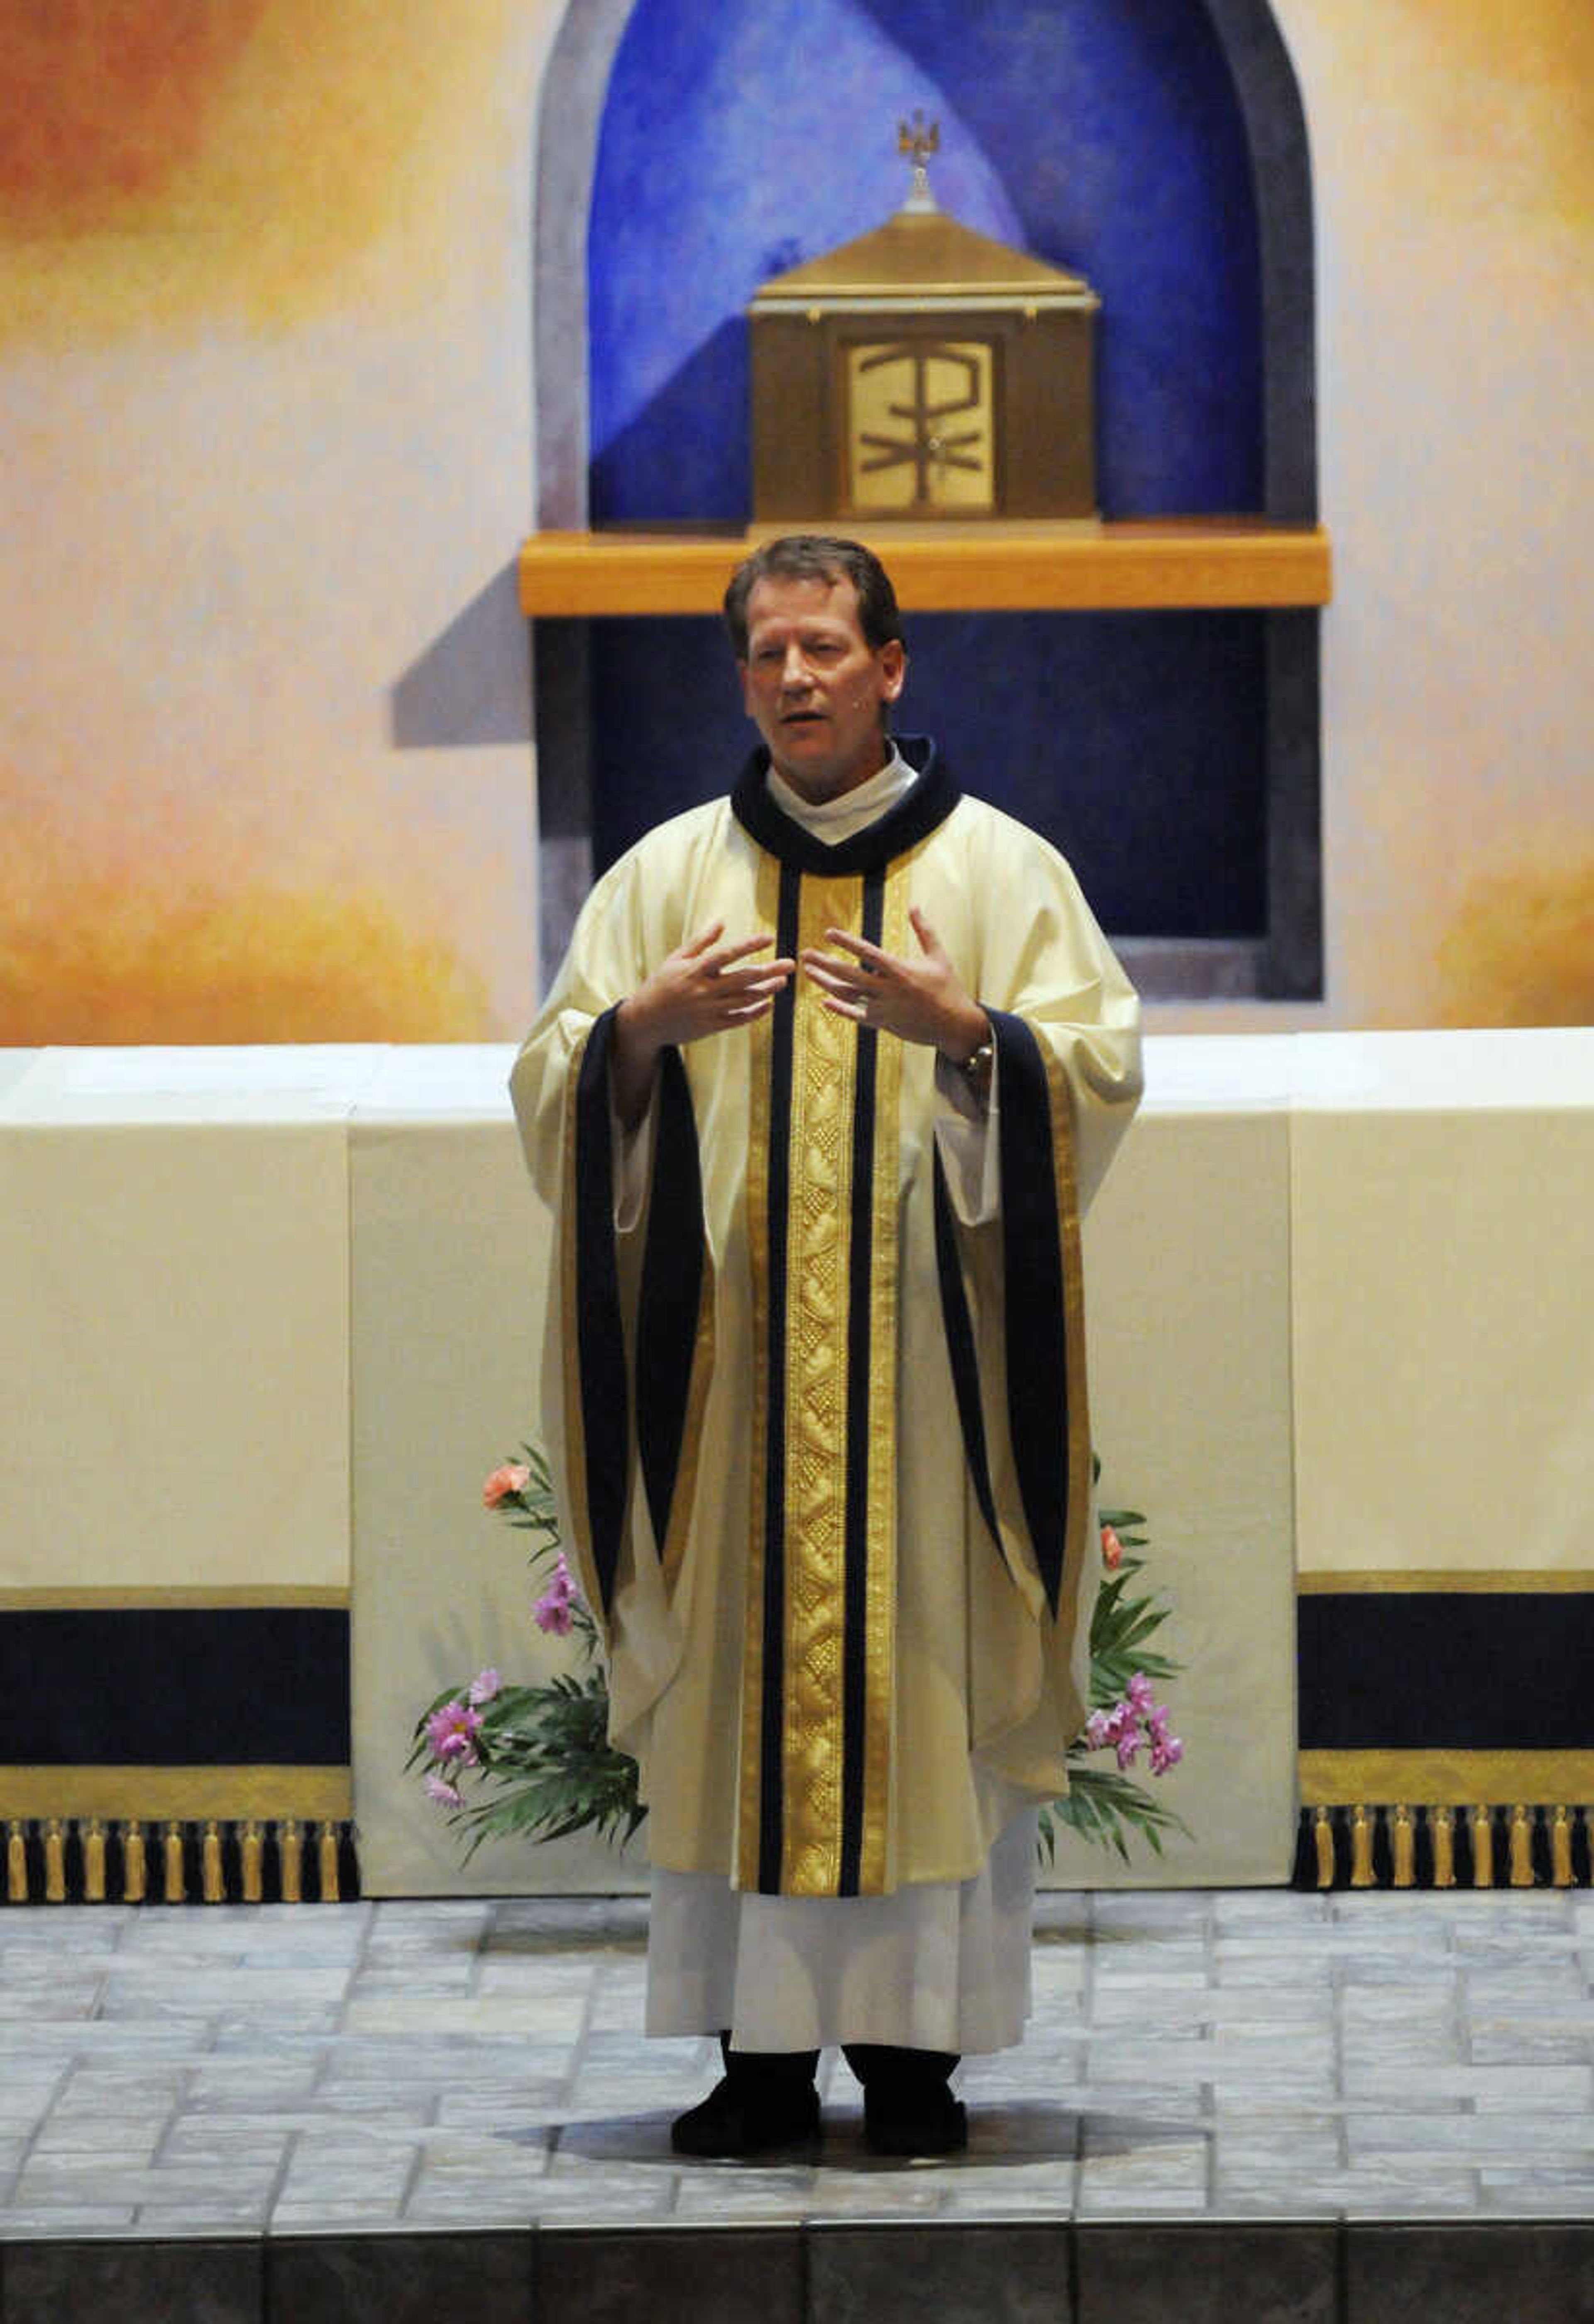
(922, 252)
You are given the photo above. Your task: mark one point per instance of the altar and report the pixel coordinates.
(272, 1314)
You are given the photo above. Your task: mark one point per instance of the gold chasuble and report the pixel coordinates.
(820, 1428)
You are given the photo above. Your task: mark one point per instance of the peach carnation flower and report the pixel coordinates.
(509, 1477)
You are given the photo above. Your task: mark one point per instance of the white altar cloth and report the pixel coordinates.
(271, 1313)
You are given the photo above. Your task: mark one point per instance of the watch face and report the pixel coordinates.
(920, 433)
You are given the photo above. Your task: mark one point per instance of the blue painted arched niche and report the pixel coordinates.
(1160, 151)
(744, 138)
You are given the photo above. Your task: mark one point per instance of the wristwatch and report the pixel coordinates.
(976, 1069)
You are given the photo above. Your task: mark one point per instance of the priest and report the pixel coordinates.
(830, 1071)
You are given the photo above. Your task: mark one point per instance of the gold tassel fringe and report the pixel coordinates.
(93, 1862)
(1403, 1848)
(1504, 1845)
(1361, 1848)
(290, 1850)
(1561, 1849)
(210, 1884)
(326, 1856)
(1522, 1846)
(110, 1864)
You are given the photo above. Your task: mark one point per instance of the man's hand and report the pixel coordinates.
(917, 1000)
(702, 987)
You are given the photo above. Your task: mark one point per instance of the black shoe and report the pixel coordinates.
(745, 2116)
(908, 2108)
(928, 2121)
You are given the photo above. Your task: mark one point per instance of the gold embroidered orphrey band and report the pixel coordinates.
(817, 1671)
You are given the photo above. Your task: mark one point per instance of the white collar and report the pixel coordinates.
(833, 820)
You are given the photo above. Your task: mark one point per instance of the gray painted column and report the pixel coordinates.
(572, 92)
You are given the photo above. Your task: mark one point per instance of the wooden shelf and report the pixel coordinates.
(1157, 565)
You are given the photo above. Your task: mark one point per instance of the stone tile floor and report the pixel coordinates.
(448, 2066)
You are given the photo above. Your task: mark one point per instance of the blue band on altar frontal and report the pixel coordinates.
(160, 1686)
(1445, 1670)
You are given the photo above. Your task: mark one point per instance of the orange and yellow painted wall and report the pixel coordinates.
(265, 438)
(264, 363)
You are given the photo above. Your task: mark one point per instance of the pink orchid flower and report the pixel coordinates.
(552, 1609)
(1138, 1720)
(451, 1733)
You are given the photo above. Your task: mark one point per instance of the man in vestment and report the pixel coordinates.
(829, 1073)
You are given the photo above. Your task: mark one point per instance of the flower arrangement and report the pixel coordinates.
(1107, 1805)
(543, 1767)
(539, 1756)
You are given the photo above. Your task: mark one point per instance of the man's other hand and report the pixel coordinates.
(703, 987)
(917, 1000)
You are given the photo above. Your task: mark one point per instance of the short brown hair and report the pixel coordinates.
(817, 556)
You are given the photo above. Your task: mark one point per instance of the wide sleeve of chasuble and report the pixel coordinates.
(630, 1335)
(1065, 1029)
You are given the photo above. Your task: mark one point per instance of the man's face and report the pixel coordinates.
(815, 686)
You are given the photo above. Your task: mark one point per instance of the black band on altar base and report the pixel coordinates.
(174, 1686)
(600, 1340)
(671, 1292)
(1036, 1320)
(1446, 1671)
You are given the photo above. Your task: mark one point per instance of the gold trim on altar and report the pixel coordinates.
(1486, 1818)
(1453, 1778)
(174, 1835)
(174, 1597)
(156, 1795)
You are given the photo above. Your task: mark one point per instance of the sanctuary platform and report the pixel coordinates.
(1233, 2105)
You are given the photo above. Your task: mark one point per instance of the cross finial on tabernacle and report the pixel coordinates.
(919, 140)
